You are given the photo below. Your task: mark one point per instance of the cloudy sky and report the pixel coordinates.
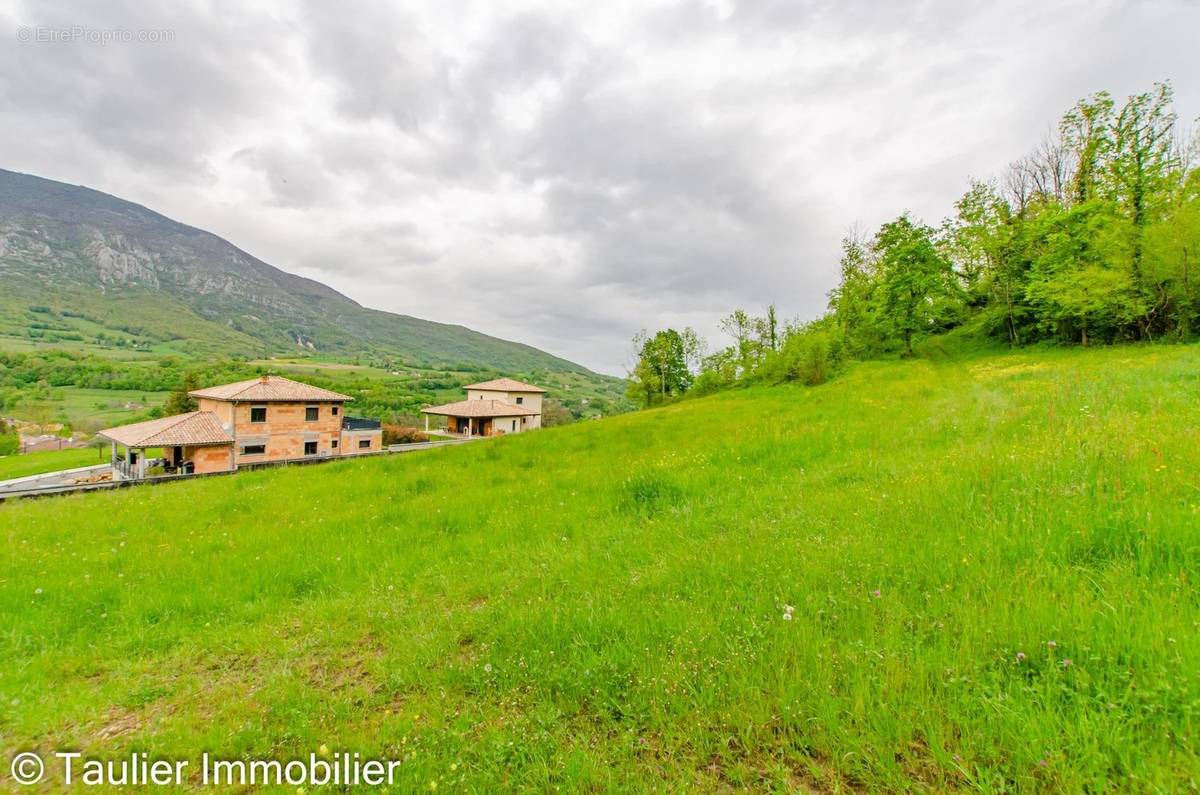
(562, 174)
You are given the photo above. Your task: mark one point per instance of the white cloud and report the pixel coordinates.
(612, 165)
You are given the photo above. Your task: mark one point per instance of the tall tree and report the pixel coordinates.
(771, 329)
(740, 326)
(662, 369)
(1142, 148)
(179, 401)
(914, 279)
(850, 301)
(1085, 132)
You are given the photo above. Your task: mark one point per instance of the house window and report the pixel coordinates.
(514, 425)
(333, 443)
(310, 448)
(310, 413)
(258, 413)
(520, 401)
(254, 449)
(334, 409)
(364, 444)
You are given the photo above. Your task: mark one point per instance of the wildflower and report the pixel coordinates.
(787, 616)
(1066, 663)
(1020, 656)
(37, 590)
(787, 612)
(877, 593)
(453, 767)
(487, 668)
(323, 750)
(1051, 644)
(433, 786)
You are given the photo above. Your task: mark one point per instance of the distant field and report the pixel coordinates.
(974, 573)
(88, 408)
(24, 345)
(19, 466)
(322, 367)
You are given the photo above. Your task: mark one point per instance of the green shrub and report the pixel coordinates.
(810, 354)
(401, 434)
(10, 444)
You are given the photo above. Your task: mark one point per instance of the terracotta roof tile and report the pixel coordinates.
(196, 428)
(505, 385)
(267, 389)
(480, 408)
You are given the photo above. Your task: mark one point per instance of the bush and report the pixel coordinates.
(401, 434)
(555, 413)
(10, 444)
(811, 355)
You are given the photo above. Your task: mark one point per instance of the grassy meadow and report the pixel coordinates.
(974, 572)
(19, 466)
(87, 408)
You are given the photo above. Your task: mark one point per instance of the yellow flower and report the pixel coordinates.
(323, 750)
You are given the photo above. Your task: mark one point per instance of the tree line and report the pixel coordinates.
(1093, 237)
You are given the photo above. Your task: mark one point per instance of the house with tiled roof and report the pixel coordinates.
(261, 420)
(492, 408)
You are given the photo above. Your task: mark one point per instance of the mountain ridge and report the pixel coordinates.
(58, 241)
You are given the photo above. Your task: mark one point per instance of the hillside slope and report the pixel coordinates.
(967, 574)
(123, 266)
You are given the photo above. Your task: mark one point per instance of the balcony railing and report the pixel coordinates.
(360, 424)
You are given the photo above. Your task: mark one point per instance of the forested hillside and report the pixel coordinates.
(1092, 238)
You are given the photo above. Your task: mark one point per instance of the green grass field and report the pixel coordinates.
(88, 409)
(974, 573)
(18, 466)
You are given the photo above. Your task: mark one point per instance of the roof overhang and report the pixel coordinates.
(194, 429)
(476, 409)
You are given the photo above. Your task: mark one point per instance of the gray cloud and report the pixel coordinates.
(606, 166)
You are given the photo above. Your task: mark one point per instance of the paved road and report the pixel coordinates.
(59, 478)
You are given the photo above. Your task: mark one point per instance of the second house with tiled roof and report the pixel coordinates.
(492, 408)
(262, 420)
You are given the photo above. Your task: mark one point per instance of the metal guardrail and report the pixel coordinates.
(360, 424)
